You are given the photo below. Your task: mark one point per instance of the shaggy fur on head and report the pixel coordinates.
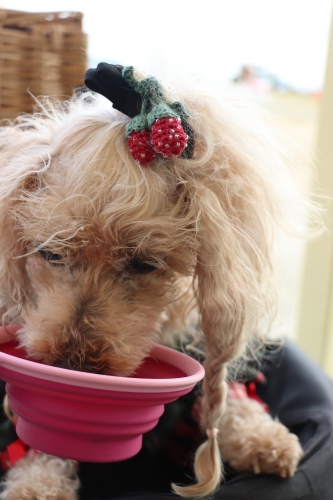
(95, 248)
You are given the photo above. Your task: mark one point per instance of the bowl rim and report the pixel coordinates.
(193, 370)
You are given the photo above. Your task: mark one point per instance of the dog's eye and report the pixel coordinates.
(142, 267)
(49, 256)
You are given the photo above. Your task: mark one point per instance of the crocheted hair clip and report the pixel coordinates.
(156, 126)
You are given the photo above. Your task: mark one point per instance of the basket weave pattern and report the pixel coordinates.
(43, 53)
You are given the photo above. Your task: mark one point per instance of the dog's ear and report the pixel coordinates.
(23, 154)
(229, 192)
(231, 263)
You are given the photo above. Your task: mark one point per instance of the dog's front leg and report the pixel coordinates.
(41, 477)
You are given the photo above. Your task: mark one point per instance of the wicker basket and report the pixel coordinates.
(43, 53)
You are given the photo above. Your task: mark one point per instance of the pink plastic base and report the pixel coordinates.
(68, 446)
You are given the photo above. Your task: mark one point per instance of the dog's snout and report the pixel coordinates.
(70, 364)
(62, 363)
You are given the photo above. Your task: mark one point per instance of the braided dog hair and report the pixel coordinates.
(210, 213)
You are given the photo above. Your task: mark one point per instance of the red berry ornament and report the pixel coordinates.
(168, 137)
(140, 147)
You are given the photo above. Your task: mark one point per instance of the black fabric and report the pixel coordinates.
(296, 391)
(107, 80)
(166, 456)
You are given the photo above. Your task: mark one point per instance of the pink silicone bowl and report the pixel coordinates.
(91, 417)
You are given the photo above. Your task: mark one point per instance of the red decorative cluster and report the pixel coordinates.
(140, 147)
(168, 137)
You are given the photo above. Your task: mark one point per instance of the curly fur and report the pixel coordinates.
(128, 237)
(263, 446)
(41, 477)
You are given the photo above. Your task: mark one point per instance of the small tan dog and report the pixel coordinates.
(96, 250)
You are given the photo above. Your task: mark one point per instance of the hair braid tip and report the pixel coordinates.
(208, 470)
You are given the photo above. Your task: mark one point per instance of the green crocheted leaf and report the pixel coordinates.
(153, 102)
(128, 77)
(139, 122)
(180, 109)
(149, 88)
(162, 110)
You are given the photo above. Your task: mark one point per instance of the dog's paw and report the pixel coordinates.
(251, 441)
(277, 454)
(41, 477)
(272, 450)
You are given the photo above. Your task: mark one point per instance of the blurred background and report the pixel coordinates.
(276, 53)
